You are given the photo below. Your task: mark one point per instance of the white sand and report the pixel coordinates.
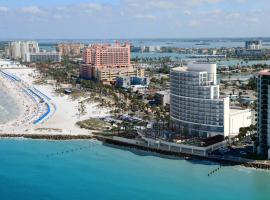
(60, 121)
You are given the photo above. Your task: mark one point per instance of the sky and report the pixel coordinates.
(104, 19)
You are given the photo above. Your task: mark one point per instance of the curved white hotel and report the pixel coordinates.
(195, 104)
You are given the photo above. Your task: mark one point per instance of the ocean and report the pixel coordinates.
(172, 42)
(70, 170)
(84, 170)
(8, 107)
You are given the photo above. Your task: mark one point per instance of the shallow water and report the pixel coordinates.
(39, 170)
(8, 107)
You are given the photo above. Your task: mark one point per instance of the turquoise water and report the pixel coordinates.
(33, 170)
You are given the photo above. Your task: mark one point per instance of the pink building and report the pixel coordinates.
(105, 55)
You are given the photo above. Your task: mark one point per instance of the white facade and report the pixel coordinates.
(154, 48)
(43, 57)
(239, 118)
(19, 49)
(195, 104)
(181, 148)
(162, 97)
(15, 50)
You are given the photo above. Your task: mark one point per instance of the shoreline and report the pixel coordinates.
(61, 125)
(18, 97)
(120, 145)
(31, 104)
(252, 164)
(8, 105)
(55, 137)
(43, 111)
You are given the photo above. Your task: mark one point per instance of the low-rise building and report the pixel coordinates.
(108, 75)
(123, 81)
(87, 71)
(139, 80)
(162, 97)
(127, 81)
(239, 117)
(43, 57)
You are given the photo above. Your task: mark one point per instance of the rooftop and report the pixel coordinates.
(180, 69)
(235, 110)
(265, 72)
(197, 67)
(164, 92)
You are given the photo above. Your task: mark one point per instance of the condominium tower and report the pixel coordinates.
(195, 104)
(19, 49)
(263, 113)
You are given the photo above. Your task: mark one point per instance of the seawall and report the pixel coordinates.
(230, 161)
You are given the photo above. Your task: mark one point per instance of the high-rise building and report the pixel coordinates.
(28, 51)
(195, 104)
(263, 113)
(104, 55)
(196, 107)
(104, 63)
(19, 49)
(70, 49)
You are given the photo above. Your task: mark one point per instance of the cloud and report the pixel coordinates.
(139, 18)
(34, 10)
(194, 23)
(147, 17)
(200, 2)
(187, 12)
(3, 9)
(162, 4)
(254, 20)
(92, 6)
(233, 16)
(153, 4)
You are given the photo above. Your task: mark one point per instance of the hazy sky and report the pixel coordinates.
(134, 18)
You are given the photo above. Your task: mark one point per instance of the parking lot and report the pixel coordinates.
(243, 151)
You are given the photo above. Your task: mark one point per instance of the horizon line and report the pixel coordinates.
(131, 38)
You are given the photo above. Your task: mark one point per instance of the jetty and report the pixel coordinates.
(136, 144)
(47, 136)
(214, 171)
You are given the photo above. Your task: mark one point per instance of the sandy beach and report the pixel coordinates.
(41, 109)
